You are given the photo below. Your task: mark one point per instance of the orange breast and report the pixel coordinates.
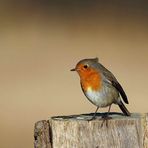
(91, 79)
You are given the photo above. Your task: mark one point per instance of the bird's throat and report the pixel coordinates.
(92, 81)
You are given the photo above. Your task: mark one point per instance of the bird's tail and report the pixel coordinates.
(124, 109)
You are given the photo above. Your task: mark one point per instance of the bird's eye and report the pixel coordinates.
(85, 66)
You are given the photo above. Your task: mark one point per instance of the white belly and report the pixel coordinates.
(105, 97)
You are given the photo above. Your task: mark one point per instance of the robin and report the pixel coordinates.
(100, 86)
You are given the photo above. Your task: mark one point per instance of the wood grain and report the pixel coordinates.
(42, 135)
(77, 132)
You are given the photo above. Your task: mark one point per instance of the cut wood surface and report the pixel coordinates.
(77, 132)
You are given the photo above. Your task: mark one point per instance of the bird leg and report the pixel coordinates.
(106, 117)
(94, 115)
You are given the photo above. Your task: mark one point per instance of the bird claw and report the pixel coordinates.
(92, 118)
(105, 118)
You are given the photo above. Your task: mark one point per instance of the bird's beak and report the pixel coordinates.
(73, 69)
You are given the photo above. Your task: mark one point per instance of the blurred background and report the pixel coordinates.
(41, 40)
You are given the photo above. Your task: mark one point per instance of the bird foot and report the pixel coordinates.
(92, 118)
(105, 118)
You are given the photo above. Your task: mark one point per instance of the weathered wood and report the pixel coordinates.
(77, 132)
(42, 135)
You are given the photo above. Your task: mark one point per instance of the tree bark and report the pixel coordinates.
(77, 132)
(42, 135)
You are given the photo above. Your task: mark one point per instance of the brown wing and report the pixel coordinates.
(120, 89)
(111, 78)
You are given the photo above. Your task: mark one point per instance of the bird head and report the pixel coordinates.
(85, 66)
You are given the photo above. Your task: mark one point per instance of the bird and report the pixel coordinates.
(100, 86)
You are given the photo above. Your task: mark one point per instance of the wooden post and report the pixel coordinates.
(77, 132)
(42, 135)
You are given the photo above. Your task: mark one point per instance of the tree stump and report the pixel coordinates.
(76, 131)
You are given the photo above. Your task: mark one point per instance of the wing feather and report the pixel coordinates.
(111, 78)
